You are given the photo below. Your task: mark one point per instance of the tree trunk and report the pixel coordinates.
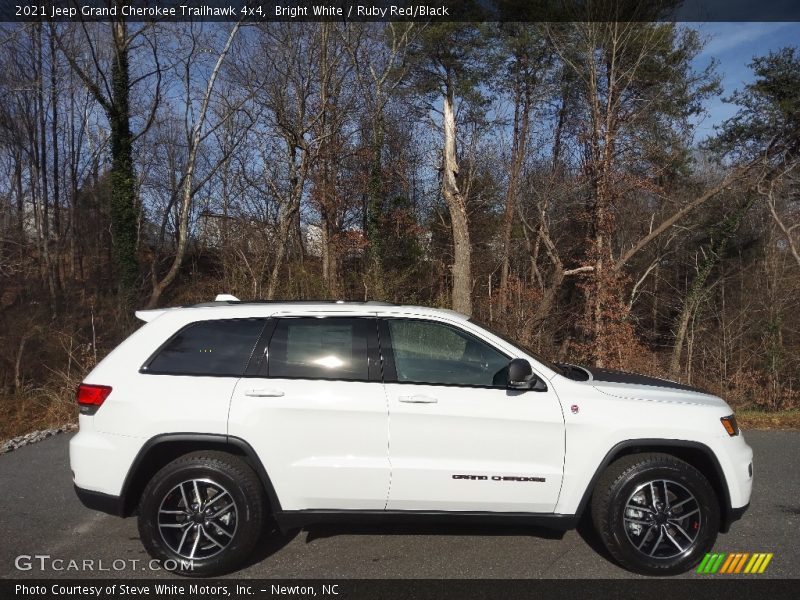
(325, 173)
(54, 135)
(73, 230)
(518, 147)
(462, 259)
(123, 192)
(545, 303)
(330, 262)
(18, 362)
(374, 212)
(20, 198)
(47, 265)
(604, 309)
(285, 223)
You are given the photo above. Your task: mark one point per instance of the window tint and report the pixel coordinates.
(209, 348)
(325, 348)
(429, 352)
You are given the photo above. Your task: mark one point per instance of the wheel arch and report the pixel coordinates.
(162, 449)
(694, 453)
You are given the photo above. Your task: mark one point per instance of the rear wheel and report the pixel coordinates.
(656, 514)
(202, 513)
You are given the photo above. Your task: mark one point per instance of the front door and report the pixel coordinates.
(459, 440)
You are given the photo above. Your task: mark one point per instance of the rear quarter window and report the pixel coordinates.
(218, 348)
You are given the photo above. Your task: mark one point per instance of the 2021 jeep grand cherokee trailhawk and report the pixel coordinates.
(211, 419)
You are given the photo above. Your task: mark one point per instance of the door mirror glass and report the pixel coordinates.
(521, 376)
(519, 370)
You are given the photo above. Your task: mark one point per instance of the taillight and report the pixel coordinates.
(91, 397)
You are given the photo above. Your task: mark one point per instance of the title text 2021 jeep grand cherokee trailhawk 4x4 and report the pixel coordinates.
(210, 419)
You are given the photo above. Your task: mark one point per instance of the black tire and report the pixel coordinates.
(224, 542)
(622, 528)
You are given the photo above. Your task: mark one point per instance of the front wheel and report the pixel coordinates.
(656, 514)
(202, 514)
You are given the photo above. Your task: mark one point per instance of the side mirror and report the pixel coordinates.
(521, 377)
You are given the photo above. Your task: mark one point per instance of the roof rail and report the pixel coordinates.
(228, 300)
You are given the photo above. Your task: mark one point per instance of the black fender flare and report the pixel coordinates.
(211, 440)
(662, 444)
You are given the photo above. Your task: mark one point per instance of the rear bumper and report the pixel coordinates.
(106, 503)
(101, 461)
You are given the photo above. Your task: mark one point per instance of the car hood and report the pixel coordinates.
(633, 385)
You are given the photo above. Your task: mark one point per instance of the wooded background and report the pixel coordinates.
(545, 178)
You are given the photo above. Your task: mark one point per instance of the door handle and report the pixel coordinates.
(264, 393)
(418, 399)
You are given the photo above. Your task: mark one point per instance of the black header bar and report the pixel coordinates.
(708, 587)
(258, 11)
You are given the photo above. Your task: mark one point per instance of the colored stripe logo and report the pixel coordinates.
(735, 562)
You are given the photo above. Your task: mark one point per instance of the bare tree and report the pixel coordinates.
(198, 132)
(529, 59)
(768, 192)
(111, 86)
(378, 54)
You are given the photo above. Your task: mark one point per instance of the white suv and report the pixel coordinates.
(213, 418)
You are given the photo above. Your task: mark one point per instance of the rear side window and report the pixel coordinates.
(325, 348)
(218, 348)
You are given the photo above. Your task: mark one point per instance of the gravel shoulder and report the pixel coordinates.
(33, 437)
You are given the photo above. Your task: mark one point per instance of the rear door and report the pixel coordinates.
(315, 411)
(459, 439)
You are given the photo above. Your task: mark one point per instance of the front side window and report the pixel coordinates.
(218, 348)
(436, 353)
(319, 348)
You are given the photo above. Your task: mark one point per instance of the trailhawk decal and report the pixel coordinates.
(499, 478)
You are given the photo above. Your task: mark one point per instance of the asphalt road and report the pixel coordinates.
(40, 515)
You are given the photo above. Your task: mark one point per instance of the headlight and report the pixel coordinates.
(729, 423)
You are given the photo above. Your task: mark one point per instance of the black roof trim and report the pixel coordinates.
(292, 302)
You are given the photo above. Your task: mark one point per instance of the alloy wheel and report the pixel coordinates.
(662, 519)
(197, 519)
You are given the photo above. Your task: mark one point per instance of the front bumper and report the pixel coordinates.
(736, 460)
(731, 516)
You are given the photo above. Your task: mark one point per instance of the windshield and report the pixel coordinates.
(547, 363)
